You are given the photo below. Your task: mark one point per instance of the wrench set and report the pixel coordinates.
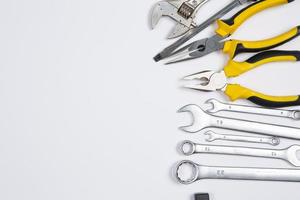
(184, 13)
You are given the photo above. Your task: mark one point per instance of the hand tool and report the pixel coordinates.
(231, 47)
(202, 120)
(212, 136)
(218, 106)
(191, 33)
(226, 27)
(214, 81)
(183, 11)
(290, 154)
(188, 172)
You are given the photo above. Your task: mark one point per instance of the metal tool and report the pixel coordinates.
(188, 172)
(202, 120)
(212, 136)
(182, 11)
(290, 154)
(218, 106)
(215, 81)
(233, 47)
(191, 33)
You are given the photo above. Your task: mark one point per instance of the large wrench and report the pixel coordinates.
(203, 120)
(290, 154)
(218, 106)
(197, 172)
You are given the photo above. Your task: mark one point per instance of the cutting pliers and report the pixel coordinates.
(234, 47)
(212, 81)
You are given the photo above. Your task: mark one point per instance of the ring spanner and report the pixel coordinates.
(198, 172)
(290, 154)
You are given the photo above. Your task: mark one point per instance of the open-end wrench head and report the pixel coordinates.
(210, 136)
(187, 172)
(216, 106)
(200, 119)
(293, 155)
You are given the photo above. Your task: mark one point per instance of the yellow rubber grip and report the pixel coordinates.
(234, 68)
(235, 91)
(227, 27)
(234, 47)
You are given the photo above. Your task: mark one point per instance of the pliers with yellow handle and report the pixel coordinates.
(212, 81)
(226, 28)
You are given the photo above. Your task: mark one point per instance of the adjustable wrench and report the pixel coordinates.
(198, 172)
(183, 11)
(203, 120)
(290, 154)
(218, 106)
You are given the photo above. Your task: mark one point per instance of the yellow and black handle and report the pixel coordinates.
(227, 27)
(235, 47)
(235, 68)
(235, 91)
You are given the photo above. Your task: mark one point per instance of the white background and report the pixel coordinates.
(85, 113)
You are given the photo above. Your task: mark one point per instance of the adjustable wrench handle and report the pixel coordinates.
(255, 127)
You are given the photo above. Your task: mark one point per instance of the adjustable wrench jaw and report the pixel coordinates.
(182, 11)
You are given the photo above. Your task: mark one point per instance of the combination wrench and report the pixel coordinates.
(202, 120)
(212, 136)
(188, 172)
(290, 154)
(218, 106)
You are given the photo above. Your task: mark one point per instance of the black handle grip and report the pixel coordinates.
(273, 104)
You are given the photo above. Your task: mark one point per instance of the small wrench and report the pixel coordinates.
(290, 154)
(212, 136)
(202, 120)
(218, 106)
(197, 172)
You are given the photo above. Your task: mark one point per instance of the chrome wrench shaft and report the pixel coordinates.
(290, 154)
(202, 120)
(218, 106)
(212, 136)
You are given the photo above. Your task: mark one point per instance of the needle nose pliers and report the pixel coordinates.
(212, 81)
(226, 28)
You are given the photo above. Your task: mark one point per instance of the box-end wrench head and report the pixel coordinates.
(188, 172)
